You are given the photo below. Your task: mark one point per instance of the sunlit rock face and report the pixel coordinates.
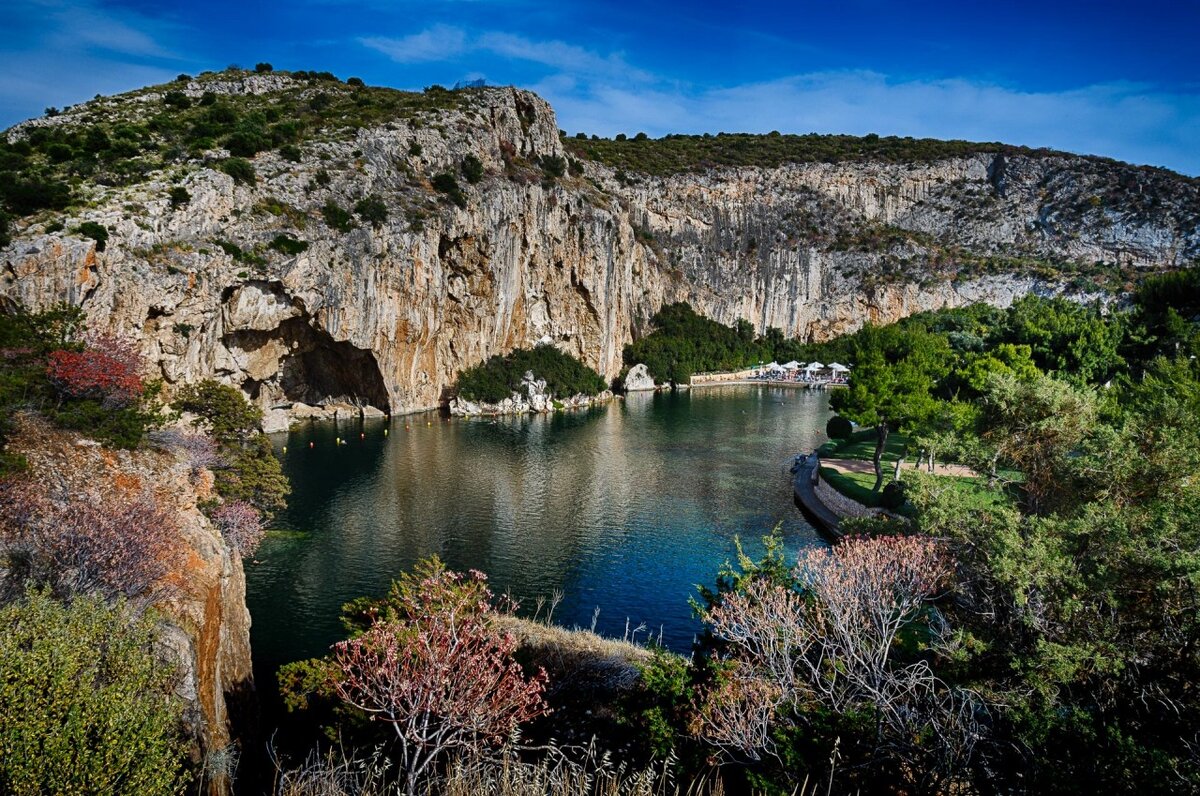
(387, 314)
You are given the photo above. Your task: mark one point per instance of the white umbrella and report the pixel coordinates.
(813, 366)
(791, 365)
(772, 366)
(838, 367)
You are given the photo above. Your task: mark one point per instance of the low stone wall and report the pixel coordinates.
(718, 378)
(840, 504)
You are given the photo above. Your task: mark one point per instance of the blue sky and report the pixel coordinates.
(1108, 78)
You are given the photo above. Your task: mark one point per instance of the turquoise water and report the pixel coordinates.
(624, 508)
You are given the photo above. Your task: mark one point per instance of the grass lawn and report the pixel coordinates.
(856, 486)
(861, 445)
(974, 491)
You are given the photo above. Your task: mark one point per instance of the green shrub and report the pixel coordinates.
(372, 209)
(59, 153)
(222, 409)
(414, 149)
(121, 427)
(472, 169)
(263, 67)
(290, 152)
(253, 474)
(445, 183)
(336, 217)
(241, 170)
(25, 195)
(177, 100)
(85, 704)
(285, 244)
(179, 197)
(553, 166)
(5, 229)
(500, 376)
(839, 427)
(97, 232)
(357, 82)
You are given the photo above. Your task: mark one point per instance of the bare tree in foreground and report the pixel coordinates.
(831, 644)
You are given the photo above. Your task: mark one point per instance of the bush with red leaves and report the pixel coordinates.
(107, 369)
(435, 669)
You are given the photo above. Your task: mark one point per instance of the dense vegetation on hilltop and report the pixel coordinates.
(501, 376)
(676, 153)
(120, 140)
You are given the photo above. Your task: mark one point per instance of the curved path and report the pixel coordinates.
(804, 485)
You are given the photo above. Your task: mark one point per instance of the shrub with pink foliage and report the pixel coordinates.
(830, 644)
(436, 670)
(241, 524)
(115, 543)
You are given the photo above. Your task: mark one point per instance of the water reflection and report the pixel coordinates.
(625, 507)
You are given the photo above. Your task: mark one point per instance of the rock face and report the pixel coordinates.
(638, 379)
(205, 622)
(532, 397)
(386, 314)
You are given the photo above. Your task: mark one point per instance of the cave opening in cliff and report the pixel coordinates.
(316, 369)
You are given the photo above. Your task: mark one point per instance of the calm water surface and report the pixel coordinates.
(624, 508)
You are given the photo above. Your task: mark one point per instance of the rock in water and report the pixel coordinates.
(638, 378)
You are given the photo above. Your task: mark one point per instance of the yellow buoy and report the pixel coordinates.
(285, 448)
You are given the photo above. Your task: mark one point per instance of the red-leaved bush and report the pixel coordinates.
(241, 524)
(107, 369)
(437, 671)
(115, 543)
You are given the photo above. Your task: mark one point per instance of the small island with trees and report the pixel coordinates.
(539, 379)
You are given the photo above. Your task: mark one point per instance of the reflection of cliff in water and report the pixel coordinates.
(625, 507)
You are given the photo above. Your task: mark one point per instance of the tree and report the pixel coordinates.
(221, 408)
(827, 641)
(892, 382)
(437, 672)
(85, 704)
(1037, 427)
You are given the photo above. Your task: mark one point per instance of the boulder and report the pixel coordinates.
(638, 378)
(276, 420)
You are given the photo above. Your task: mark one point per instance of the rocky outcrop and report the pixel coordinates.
(205, 625)
(639, 379)
(532, 397)
(387, 313)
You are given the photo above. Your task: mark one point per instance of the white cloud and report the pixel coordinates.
(560, 55)
(439, 43)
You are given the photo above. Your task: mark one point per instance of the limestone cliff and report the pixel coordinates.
(266, 287)
(205, 625)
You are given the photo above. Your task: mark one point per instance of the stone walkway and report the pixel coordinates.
(866, 466)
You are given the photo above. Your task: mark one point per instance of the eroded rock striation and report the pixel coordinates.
(264, 287)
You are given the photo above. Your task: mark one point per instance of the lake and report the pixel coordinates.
(622, 508)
